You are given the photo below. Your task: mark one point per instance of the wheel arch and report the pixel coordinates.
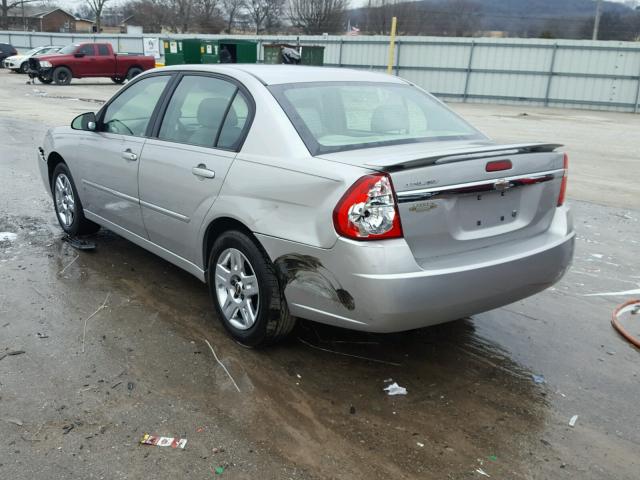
(53, 160)
(219, 226)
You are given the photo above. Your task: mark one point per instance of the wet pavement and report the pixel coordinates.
(490, 394)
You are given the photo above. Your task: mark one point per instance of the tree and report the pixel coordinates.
(318, 16)
(209, 18)
(265, 14)
(232, 9)
(97, 6)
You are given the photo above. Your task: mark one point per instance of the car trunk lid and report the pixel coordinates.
(451, 199)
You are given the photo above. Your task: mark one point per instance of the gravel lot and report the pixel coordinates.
(472, 405)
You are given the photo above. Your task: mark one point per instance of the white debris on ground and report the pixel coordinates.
(395, 389)
(8, 236)
(572, 422)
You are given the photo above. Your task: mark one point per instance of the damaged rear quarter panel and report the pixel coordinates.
(276, 200)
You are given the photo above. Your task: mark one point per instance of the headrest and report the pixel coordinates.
(389, 118)
(211, 111)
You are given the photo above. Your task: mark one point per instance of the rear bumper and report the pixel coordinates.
(379, 287)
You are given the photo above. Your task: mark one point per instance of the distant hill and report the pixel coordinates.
(552, 8)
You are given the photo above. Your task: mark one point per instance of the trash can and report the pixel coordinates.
(238, 51)
(312, 55)
(209, 49)
(172, 52)
(179, 52)
(308, 55)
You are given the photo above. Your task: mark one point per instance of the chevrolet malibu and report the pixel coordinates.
(345, 197)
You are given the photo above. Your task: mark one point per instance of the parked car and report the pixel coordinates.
(6, 50)
(345, 197)
(20, 63)
(80, 60)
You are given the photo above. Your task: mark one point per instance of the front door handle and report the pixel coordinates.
(203, 172)
(129, 155)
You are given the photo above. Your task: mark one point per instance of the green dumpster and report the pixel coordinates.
(210, 53)
(309, 55)
(173, 52)
(312, 55)
(237, 51)
(178, 52)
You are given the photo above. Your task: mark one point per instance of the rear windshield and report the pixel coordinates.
(6, 48)
(337, 116)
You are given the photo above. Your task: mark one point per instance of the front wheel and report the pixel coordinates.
(246, 292)
(67, 203)
(62, 76)
(24, 67)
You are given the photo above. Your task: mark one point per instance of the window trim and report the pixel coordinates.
(251, 104)
(167, 90)
(315, 148)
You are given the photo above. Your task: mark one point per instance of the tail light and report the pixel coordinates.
(563, 185)
(368, 210)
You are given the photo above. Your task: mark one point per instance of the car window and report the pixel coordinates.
(69, 49)
(335, 116)
(196, 111)
(103, 50)
(234, 123)
(130, 112)
(87, 50)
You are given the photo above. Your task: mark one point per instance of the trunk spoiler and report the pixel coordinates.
(462, 154)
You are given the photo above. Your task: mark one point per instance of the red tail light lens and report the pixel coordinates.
(498, 165)
(563, 186)
(368, 210)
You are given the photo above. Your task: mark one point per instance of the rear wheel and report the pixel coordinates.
(246, 292)
(62, 76)
(133, 72)
(67, 203)
(117, 80)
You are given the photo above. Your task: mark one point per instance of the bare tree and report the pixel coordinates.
(97, 6)
(318, 16)
(232, 9)
(265, 13)
(208, 15)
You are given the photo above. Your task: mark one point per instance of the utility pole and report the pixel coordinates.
(596, 23)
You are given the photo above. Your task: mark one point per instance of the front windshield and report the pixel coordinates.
(336, 116)
(33, 51)
(69, 49)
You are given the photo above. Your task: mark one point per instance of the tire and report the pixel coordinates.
(271, 318)
(24, 67)
(62, 76)
(118, 80)
(67, 205)
(45, 80)
(133, 72)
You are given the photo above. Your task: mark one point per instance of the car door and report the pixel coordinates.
(106, 65)
(109, 157)
(182, 170)
(86, 62)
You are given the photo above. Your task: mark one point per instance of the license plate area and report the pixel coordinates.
(480, 211)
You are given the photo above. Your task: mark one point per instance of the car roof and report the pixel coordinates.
(279, 74)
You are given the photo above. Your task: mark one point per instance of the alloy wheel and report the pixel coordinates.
(65, 201)
(237, 289)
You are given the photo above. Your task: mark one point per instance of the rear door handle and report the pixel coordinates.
(203, 172)
(129, 155)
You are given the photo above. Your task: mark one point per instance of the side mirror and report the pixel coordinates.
(78, 55)
(86, 121)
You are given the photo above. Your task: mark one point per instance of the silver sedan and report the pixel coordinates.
(345, 197)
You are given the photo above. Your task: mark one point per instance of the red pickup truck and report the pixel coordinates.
(80, 60)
